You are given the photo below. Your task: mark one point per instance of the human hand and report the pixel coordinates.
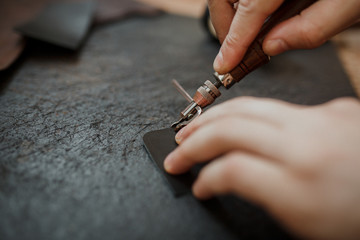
(299, 163)
(237, 28)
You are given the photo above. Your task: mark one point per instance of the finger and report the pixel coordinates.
(313, 26)
(271, 110)
(247, 22)
(221, 14)
(246, 175)
(344, 106)
(222, 136)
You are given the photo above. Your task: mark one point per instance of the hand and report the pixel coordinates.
(299, 163)
(237, 28)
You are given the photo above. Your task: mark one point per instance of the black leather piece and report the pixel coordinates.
(159, 144)
(64, 24)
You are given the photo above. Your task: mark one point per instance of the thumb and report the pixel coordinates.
(240, 35)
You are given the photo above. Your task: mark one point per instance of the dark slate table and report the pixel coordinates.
(72, 162)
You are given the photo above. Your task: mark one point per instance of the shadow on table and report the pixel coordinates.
(244, 220)
(41, 51)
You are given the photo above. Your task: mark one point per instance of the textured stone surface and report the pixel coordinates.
(72, 162)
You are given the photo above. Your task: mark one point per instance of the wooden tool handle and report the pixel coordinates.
(255, 56)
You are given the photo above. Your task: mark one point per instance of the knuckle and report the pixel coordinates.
(231, 168)
(248, 98)
(250, 102)
(246, 6)
(231, 162)
(307, 163)
(308, 155)
(244, 99)
(313, 35)
(250, 7)
(184, 152)
(343, 104)
(235, 172)
(233, 40)
(195, 124)
(345, 101)
(220, 139)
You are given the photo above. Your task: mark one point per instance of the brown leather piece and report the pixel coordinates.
(190, 8)
(11, 46)
(112, 10)
(13, 13)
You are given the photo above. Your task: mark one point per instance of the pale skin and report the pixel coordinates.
(237, 28)
(300, 163)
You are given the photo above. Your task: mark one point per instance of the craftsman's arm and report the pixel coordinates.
(236, 29)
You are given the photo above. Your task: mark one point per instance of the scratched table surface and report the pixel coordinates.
(72, 161)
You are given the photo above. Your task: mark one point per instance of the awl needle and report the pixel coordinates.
(182, 91)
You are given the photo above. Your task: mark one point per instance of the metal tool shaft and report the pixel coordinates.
(182, 91)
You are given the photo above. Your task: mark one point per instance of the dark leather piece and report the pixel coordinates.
(18, 12)
(159, 144)
(64, 24)
(73, 164)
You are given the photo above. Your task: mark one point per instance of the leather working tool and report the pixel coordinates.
(253, 59)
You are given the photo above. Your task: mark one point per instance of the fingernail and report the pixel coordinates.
(218, 62)
(276, 46)
(179, 135)
(168, 165)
